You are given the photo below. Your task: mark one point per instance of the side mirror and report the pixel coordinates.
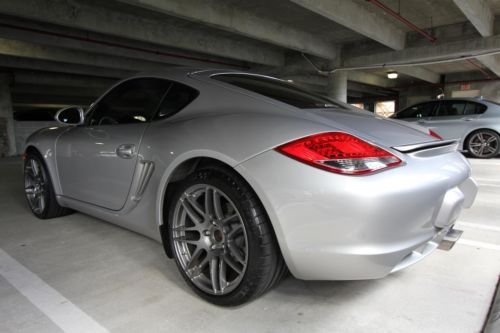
(72, 115)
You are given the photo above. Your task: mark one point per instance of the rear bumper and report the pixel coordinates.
(334, 227)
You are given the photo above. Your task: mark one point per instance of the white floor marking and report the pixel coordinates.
(482, 245)
(55, 306)
(488, 185)
(477, 226)
(486, 180)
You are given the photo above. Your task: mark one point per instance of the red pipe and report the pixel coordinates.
(400, 18)
(123, 46)
(412, 26)
(479, 68)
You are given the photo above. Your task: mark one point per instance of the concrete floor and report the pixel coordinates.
(78, 273)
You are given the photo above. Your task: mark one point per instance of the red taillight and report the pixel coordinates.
(339, 152)
(434, 134)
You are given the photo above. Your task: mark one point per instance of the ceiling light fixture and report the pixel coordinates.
(392, 75)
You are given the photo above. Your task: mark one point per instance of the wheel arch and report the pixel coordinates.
(180, 171)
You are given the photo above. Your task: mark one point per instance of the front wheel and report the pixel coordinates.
(483, 144)
(222, 239)
(39, 190)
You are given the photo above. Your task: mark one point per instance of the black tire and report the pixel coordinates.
(45, 189)
(483, 144)
(265, 265)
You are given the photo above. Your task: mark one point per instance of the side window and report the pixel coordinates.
(422, 110)
(177, 98)
(133, 101)
(474, 108)
(451, 108)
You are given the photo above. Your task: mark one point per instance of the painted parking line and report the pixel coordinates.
(55, 306)
(482, 245)
(487, 180)
(477, 226)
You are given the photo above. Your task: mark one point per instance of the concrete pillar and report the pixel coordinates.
(7, 133)
(337, 86)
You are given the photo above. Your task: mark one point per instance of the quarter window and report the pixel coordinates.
(474, 108)
(133, 101)
(177, 97)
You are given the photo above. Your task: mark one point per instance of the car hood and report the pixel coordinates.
(382, 131)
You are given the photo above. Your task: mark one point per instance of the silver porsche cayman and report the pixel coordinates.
(244, 177)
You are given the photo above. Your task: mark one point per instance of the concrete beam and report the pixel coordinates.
(491, 62)
(152, 30)
(21, 49)
(239, 21)
(369, 78)
(479, 13)
(455, 49)
(420, 73)
(61, 80)
(356, 17)
(13, 62)
(46, 34)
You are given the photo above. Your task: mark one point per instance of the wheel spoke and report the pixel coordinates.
(480, 136)
(184, 239)
(41, 202)
(194, 259)
(237, 228)
(491, 139)
(222, 274)
(184, 228)
(236, 253)
(232, 264)
(188, 207)
(214, 275)
(219, 214)
(34, 167)
(229, 218)
(196, 206)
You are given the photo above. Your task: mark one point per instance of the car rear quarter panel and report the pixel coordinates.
(333, 226)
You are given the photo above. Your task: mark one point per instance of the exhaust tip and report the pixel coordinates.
(449, 240)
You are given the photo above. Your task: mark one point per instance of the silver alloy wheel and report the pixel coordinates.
(210, 240)
(34, 185)
(483, 144)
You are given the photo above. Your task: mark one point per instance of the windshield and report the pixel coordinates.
(279, 90)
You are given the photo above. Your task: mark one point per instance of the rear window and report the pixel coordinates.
(278, 90)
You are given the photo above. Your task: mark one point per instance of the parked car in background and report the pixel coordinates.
(475, 121)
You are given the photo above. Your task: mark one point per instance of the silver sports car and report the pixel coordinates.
(475, 122)
(243, 177)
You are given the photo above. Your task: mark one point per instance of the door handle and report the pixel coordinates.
(126, 151)
(421, 121)
(468, 119)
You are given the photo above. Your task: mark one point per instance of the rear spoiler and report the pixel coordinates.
(443, 145)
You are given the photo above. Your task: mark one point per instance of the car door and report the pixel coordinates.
(453, 117)
(96, 161)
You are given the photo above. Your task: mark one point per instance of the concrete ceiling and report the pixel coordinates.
(79, 41)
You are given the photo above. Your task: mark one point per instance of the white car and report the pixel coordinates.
(474, 122)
